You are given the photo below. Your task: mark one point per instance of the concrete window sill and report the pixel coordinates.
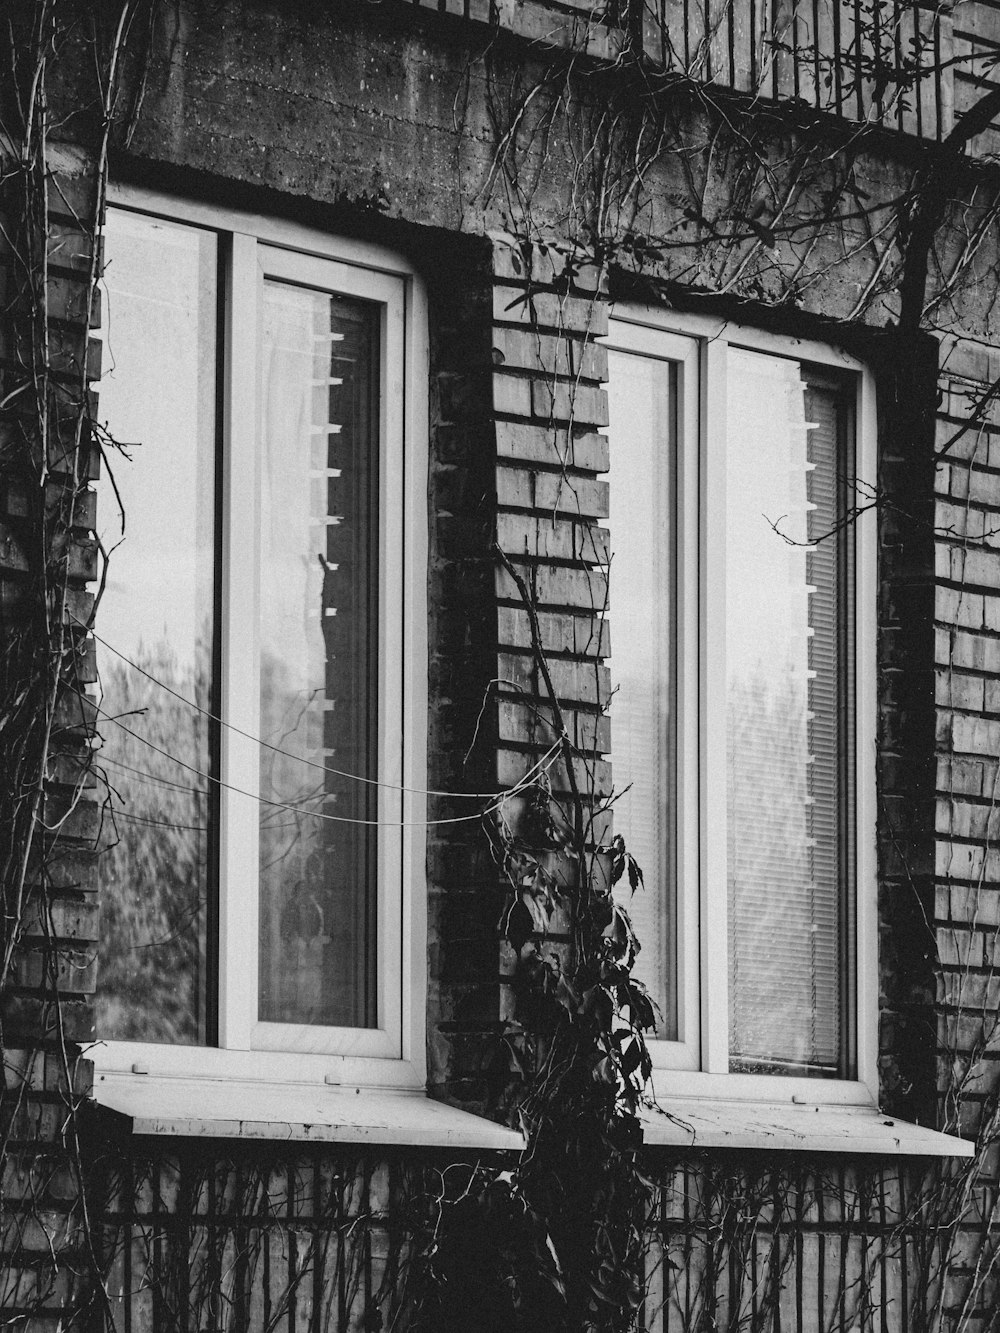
(293, 1112)
(709, 1123)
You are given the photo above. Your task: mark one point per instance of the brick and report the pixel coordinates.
(75, 771)
(972, 651)
(582, 635)
(960, 948)
(552, 492)
(30, 1176)
(79, 507)
(975, 735)
(546, 354)
(75, 712)
(77, 606)
(962, 819)
(566, 400)
(13, 559)
(65, 459)
(958, 443)
(563, 400)
(36, 1289)
(41, 1231)
(61, 918)
(34, 1016)
(593, 776)
(549, 264)
(525, 537)
(534, 724)
(973, 485)
(71, 247)
(957, 521)
(81, 555)
(509, 259)
(72, 183)
(85, 665)
(960, 356)
(969, 990)
(71, 301)
(578, 682)
(555, 264)
(555, 585)
(46, 1072)
(75, 971)
(600, 821)
(535, 309)
(31, 1121)
(958, 606)
(73, 816)
(965, 777)
(512, 395)
(955, 690)
(71, 356)
(554, 447)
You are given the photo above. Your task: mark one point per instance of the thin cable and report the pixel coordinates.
(546, 760)
(151, 780)
(158, 823)
(323, 768)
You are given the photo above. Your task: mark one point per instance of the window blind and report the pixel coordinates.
(789, 706)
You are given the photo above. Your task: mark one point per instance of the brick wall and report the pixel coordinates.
(549, 304)
(47, 559)
(463, 905)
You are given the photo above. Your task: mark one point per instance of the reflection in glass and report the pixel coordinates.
(643, 449)
(158, 397)
(788, 718)
(319, 619)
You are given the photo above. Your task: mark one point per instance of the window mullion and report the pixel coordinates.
(714, 913)
(866, 710)
(240, 758)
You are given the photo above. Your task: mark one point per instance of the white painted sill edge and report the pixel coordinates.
(294, 1112)
(316, 1113)
(697, 1122)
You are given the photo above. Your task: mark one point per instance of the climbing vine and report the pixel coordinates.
(673, 185)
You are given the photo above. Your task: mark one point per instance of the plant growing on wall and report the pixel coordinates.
(564, 1232)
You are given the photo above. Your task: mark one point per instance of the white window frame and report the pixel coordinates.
(697, 1065)
(393, 1054)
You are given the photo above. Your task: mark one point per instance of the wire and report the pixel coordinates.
(324, 768)
(150, 779)
(498, 799)
(158, 823)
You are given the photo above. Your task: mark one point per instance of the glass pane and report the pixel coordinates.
(319, 650)
(789, 710)
(158, 398)
(642, 442)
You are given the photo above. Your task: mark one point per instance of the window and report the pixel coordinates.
(260, 649)
(742, 724)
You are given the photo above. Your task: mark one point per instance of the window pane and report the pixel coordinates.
(789, 711)
(642, 443)
(319, 623)
(158, 397)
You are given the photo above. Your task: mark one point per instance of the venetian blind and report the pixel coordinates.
(788, 717)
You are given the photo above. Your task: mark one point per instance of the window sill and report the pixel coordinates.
(293, 1112)
(315, 1113)
(708, 1123)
